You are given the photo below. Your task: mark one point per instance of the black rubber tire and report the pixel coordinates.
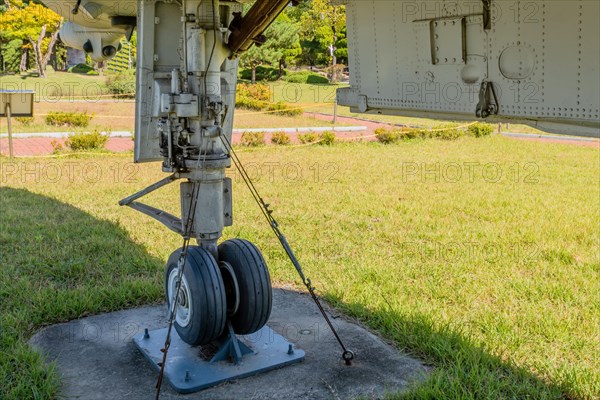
(254, 281)
(208, 314)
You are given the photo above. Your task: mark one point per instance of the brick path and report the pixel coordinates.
(38, 146)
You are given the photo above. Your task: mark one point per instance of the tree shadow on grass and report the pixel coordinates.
(462, 369)
(59, 263)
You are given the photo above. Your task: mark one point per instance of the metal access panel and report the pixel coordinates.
(160, 51)
(533, 61)
(21, 103)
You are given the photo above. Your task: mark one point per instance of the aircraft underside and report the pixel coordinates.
(534, 61)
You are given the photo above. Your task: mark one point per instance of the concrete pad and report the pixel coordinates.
(98, 360)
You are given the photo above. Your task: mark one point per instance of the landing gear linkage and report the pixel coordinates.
(347, 355)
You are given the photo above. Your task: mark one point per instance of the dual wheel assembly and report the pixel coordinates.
(237, 289)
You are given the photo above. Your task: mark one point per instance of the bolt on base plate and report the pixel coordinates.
(187, 371)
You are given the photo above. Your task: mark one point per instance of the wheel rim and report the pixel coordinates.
(232, 289)
(183, 302)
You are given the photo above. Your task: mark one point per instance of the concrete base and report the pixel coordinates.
(98, 360)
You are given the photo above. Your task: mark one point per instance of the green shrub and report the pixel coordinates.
(305, 77)
(257, 91)
(122, 84)
(82, 69)
(11, 55)
(480, 129)
(253, 139)
(263, 73)
(445, 132)
(250, 104)
(413, 133)
(25, 121)
(327, 138)
(280, 138)
(77, 119)
(279, 108)
(86, 141)
(386, 136)
(309, 137)
(282, 108)
(57, 147)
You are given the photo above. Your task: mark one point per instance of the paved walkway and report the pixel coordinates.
(39, 146)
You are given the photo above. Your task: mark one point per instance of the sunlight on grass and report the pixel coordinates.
(480, 256)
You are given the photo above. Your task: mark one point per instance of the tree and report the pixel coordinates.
(8, 4)
(341, 47)
(36, 25)
(11, 55)
(282, 42)
(324, 22)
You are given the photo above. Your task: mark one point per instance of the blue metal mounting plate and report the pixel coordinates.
(187, 371)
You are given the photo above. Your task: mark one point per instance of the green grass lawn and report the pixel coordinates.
(59, 85)
(480, 256)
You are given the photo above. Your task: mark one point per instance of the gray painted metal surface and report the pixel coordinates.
(187, 371)
(430, 58)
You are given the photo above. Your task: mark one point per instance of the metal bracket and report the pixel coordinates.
(488, 101)
(168, 220)
(187, 373)
(231, 348)
(163, 182)
(487, 14)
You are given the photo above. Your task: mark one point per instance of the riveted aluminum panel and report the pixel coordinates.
(430, 58)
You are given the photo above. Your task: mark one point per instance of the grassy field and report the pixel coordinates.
(57, 86)
(480, 256)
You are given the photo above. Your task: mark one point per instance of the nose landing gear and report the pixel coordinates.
(240, 291)
(221, 310)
